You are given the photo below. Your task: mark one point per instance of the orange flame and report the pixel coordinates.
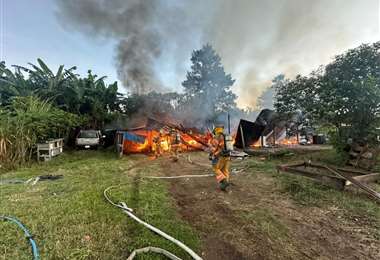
(257, 144)
(286, 141)
(289, 141)
(165, 142)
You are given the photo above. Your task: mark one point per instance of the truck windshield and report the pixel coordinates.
(88, 134)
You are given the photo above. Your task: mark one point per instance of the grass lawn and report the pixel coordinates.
(308, 193)
(70, 219)
(305, 191)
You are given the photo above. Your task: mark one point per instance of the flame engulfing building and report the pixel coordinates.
(153, 134)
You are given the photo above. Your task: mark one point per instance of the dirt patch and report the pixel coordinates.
(254, 220)
(220, 249)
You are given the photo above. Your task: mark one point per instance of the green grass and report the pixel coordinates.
(70, 219)
(308, 193)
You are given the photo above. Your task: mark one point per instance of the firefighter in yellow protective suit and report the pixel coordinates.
(220, 158)
(157, 140)
(156, 146)
(175, 146)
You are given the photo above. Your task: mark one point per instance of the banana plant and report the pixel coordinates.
(12, 84)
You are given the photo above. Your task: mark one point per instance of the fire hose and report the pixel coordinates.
(33, 244)
(128, 211)
(234, 171)
(155, 250)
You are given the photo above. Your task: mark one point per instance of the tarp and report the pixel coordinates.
(137, 141)
(134, 137)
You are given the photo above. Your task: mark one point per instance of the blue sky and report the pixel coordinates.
(30, 30)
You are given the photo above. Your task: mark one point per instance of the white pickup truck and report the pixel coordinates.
(88, 139)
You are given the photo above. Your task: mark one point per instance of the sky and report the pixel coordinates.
(256, 40)
(30, 30)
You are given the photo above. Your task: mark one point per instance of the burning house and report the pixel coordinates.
(154, 135)
(151, 135)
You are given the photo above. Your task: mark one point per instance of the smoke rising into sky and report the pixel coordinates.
(257, 40)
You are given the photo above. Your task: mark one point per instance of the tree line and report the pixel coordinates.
(37, 104)
(343, 96)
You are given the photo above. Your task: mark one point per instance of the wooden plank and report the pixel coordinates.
(340, 180)
(374, 194)
(352, 171)
(368, 178)
(331, 181)
(361, 172)
(242, 136)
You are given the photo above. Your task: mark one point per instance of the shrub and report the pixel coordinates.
(26, 121)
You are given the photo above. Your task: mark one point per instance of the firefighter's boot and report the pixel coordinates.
(223, 185)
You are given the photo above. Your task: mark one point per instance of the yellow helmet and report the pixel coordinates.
(218, 130)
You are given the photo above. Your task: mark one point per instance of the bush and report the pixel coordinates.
(26, 121)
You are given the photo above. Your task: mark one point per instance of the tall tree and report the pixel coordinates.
(345, 94)
(207, 88)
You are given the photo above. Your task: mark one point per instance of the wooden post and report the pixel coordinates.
(298, 137)
(38, 154)
(242, 137)
(120, 144)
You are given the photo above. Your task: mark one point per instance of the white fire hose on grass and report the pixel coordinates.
(155, 250)
(129, 211)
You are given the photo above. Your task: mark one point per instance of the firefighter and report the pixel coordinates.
(156, 146)
(220, 158)
(175, 145)
(162, 143)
